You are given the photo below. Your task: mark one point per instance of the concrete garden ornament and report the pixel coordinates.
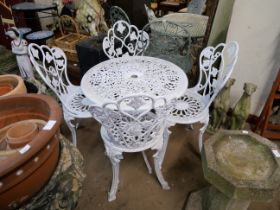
(241, 110)
(19, 48)
(241, 167)
(220, 107)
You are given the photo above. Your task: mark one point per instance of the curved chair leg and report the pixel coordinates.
(115, 180)
(161, 180)
(164, 145)
(158, 159)
(72, 127)
(115, 157)
(147, 162)
(202, 130)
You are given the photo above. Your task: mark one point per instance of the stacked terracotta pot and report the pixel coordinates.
(29, 147)
(11, 84)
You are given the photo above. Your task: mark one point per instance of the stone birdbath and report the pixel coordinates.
(241, 166)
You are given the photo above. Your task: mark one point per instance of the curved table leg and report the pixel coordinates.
(72, 127)
(115, 157)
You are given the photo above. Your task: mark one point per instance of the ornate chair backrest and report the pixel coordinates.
(134, 122)
(124, 39)
(51, 65)
(216, 66)
(169, 41)
(117, 13)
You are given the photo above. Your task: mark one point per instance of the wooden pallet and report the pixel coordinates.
(263, 126)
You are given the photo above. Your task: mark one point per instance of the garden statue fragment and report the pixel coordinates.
(221, 106)
(242, 109)
(19, 48)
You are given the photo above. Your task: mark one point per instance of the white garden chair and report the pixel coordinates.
(51, 65)
(133, 124)
(216, 66)
(124, 39)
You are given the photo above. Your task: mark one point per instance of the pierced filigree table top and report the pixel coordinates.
(116, 78)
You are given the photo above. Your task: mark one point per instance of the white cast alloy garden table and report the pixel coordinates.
(116, 78)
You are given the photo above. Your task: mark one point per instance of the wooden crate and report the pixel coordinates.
(68, 44)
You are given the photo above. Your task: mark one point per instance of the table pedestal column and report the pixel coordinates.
(212, 199)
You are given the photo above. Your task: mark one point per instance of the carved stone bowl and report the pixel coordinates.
(242, 165)
(11, 84)
(24, 171)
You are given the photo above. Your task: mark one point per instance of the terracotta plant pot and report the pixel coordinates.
(11, 84)
(25, 171)
(21, 134)
(3, 144)
(5, 89)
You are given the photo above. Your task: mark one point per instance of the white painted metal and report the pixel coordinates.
(134, 124)
(117, 78)
(51, 65)
(124, 39)
(216, 66)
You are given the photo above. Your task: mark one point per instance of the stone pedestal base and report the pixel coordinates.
(241, 166)
(64, 188)
(212, 199)
(195, 200)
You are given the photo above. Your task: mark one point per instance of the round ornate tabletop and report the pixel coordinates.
(120, 77)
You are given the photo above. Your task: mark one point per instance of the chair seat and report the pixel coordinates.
(78, 104)
(107, 140)
(188, 109)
